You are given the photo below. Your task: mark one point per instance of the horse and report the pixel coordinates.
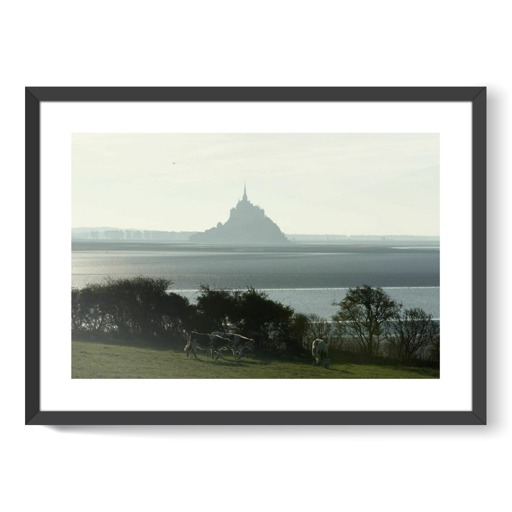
(193, 343)
(320, 351)
(217, 345)
(239, 343)
(211, 343)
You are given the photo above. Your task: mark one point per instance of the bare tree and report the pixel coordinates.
(413, 331)
(319, 327)
(363, 316)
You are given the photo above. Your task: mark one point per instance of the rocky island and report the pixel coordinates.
(247, 224)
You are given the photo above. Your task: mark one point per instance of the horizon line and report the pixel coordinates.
(286, 234)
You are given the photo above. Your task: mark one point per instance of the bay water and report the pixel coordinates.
(311, 278)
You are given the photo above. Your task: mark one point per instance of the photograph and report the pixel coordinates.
(255, 256)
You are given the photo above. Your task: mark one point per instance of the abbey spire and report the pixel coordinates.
(244, 197)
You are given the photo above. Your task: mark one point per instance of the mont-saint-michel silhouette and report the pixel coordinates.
(247, 224)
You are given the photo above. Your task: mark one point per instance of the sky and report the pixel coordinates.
(343, 184)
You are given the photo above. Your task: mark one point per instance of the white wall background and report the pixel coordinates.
(233, 43)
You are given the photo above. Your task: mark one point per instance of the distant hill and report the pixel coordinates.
(247, 224)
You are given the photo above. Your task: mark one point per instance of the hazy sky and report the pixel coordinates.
(372, 184)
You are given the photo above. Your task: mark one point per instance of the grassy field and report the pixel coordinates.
(95, 360)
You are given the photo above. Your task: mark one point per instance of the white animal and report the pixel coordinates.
(193, 343)
(320, 352)
(217, 345)
(212, 343)
(239, 343)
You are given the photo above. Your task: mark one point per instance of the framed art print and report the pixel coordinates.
(269, 255)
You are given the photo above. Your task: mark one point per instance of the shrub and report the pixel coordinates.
(129, 307)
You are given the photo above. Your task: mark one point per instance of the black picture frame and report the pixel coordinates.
(35, 96)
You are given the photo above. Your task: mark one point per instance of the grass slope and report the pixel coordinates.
(94, 360)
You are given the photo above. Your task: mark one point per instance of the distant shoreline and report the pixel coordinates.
(144, 236)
